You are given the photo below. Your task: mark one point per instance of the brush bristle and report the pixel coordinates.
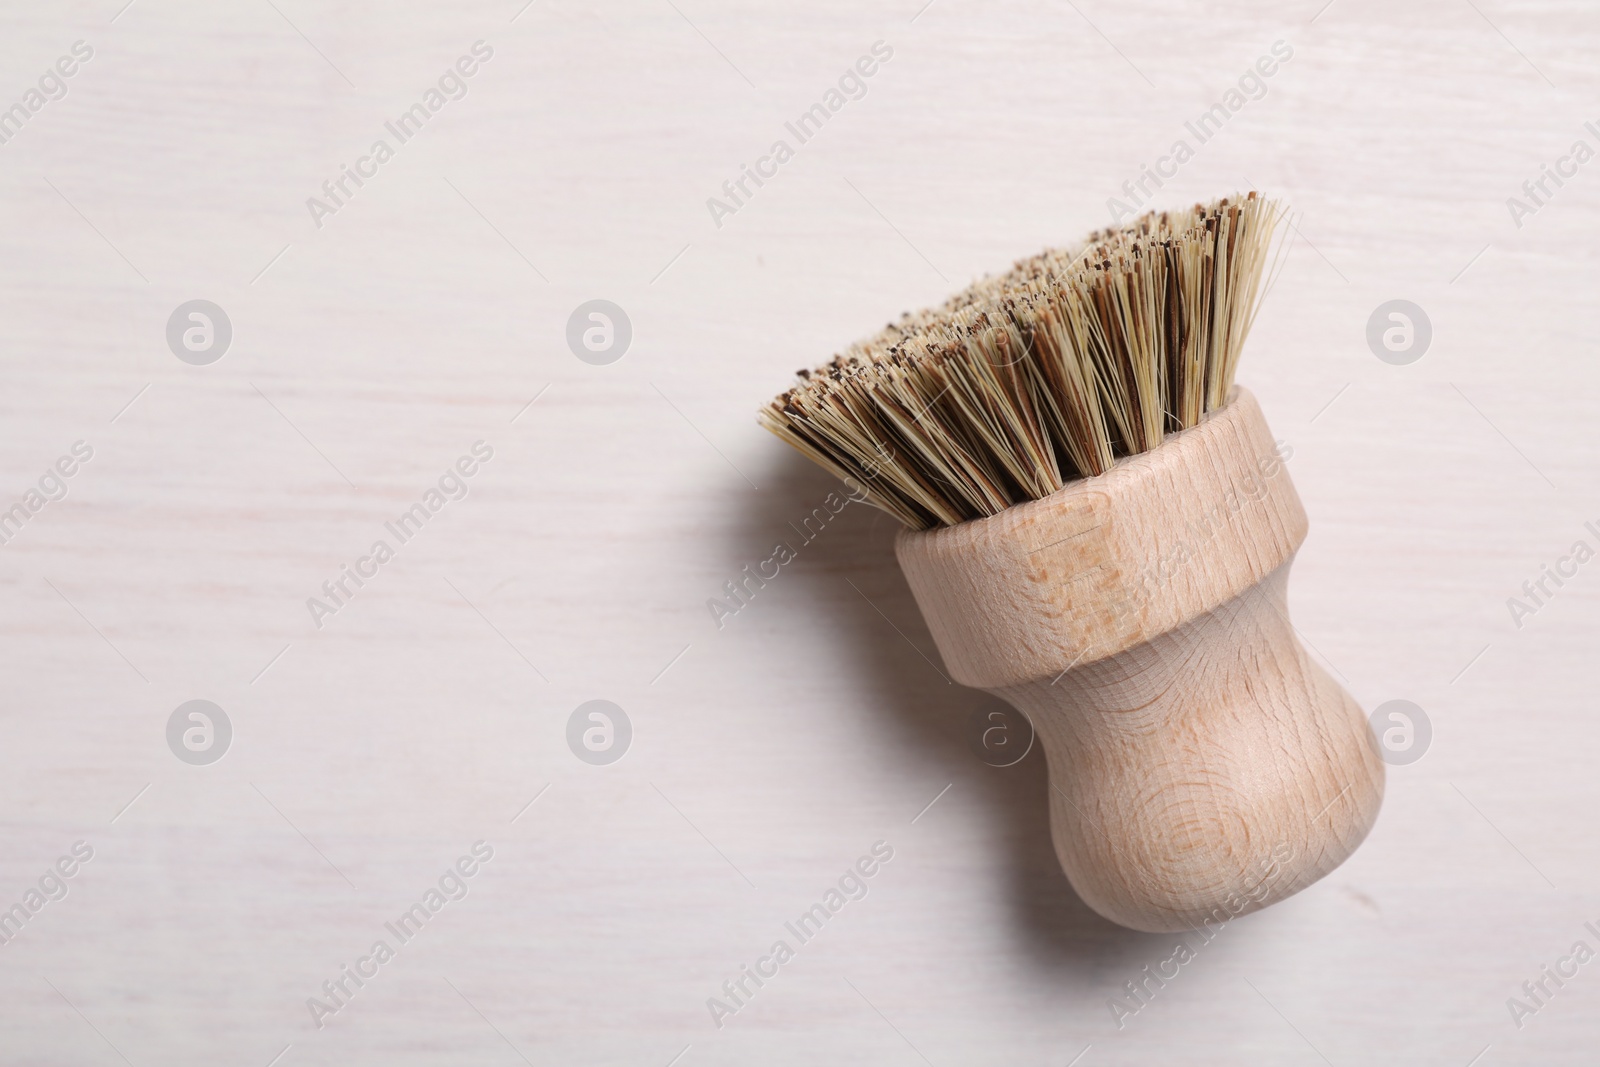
(1043, 375)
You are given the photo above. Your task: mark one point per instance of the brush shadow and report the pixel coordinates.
(880, 629)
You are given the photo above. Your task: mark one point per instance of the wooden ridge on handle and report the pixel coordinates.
(1201, 765)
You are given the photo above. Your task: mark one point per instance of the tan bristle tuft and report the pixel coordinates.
(1043, 375)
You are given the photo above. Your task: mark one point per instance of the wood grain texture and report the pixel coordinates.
(379, 346)
(1201, 765)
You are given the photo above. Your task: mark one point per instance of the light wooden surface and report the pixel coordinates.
(1201, 765)
(768, 756)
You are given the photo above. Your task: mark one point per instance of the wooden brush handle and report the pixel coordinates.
(1201, 765)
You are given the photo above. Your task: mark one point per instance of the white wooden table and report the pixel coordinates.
(370, 352)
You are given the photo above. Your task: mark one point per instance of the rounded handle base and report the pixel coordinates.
(1206, 773)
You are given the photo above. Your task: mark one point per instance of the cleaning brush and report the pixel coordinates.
(1099, 531)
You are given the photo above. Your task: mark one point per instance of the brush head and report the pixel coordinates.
(1043, 375)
